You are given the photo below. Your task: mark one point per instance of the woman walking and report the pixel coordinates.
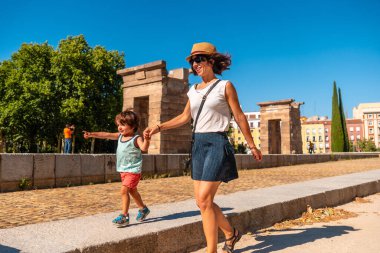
(213, 160)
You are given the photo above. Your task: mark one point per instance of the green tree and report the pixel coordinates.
(41, 89)
(344, 125)
(366, 145)
(88, 86)
(26, 97)
(337, 132)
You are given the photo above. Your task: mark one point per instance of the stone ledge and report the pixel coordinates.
(60, 170)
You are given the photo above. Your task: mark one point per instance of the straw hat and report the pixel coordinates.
(202, 48)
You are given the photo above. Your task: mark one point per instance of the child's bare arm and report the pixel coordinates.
(101, 135)
(143, 143)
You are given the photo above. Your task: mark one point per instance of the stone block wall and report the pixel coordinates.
(280, 127)
(62, 170)
(157, 95)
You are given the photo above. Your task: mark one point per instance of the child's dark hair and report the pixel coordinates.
(128, 117)
(221, 63)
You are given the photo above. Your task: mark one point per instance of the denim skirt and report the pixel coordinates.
(213, 158)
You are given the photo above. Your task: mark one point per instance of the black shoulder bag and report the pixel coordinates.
(188, 161)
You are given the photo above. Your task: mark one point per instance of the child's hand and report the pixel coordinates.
(146, 133)
(86, 134)
(149, 131)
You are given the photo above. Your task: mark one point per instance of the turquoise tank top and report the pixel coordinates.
(128, 157)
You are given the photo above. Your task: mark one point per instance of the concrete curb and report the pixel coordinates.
(177, 227)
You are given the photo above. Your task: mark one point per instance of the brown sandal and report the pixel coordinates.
(235, 238)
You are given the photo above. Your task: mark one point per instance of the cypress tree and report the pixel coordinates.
(337, 139)
(344, 125)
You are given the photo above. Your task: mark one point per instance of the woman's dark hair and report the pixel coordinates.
(221, 63)
(128, 117)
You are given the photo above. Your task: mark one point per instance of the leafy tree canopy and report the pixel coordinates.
(42, 89)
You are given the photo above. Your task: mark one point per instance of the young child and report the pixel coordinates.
(129, 162)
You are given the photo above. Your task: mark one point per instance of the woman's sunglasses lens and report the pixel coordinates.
(197, 59)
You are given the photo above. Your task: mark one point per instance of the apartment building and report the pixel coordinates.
(318, 131)
(369, 113)
(314, 132)
(253, 119)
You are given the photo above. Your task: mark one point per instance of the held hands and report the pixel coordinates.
(149, 131)
(256, 154)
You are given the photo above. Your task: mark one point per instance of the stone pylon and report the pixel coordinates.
(280, 127)
(157, 95)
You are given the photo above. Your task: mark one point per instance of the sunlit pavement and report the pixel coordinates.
(358, 234)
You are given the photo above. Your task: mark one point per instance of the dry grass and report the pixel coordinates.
(311, 216)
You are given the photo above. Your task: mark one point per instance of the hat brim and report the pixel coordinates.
(196, 53)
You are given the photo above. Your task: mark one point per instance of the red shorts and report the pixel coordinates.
(130, 180)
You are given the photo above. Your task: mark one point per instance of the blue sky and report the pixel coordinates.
(280, 49)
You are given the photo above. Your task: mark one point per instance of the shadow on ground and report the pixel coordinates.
(270, 243)
(174, 216)
(6, 249)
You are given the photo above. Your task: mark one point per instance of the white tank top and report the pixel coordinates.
(216, 114)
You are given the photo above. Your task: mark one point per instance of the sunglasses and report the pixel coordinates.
(199, 59)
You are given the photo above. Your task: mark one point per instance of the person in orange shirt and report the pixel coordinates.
(67, 132)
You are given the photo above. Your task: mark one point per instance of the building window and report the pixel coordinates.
(378, 116)
(326, 130)
(357, 129)
(320, 130)
(307, 138)
(371, 130)
(239, 138)
(369, 116)
(351, 129)
(378, 123)
(320, 138)
(327, 145)
(358, 137)
(307, 131)
(370, 123)
(320, 146)
(313, 131)
(251, 124)
(313, 138)
(327, 138)
(352, 138)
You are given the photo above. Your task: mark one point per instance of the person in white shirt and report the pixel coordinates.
(213, 158)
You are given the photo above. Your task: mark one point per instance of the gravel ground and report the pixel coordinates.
(27, 207)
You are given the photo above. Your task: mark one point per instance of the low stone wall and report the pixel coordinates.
(61, 170)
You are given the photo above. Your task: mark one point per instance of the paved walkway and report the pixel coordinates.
(28, 207)
(247, 210)
(353, 235)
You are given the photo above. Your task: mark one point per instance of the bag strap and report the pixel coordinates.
(202, 103)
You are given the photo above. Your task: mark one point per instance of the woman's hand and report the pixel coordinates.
(256, 154)
(149, 131)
